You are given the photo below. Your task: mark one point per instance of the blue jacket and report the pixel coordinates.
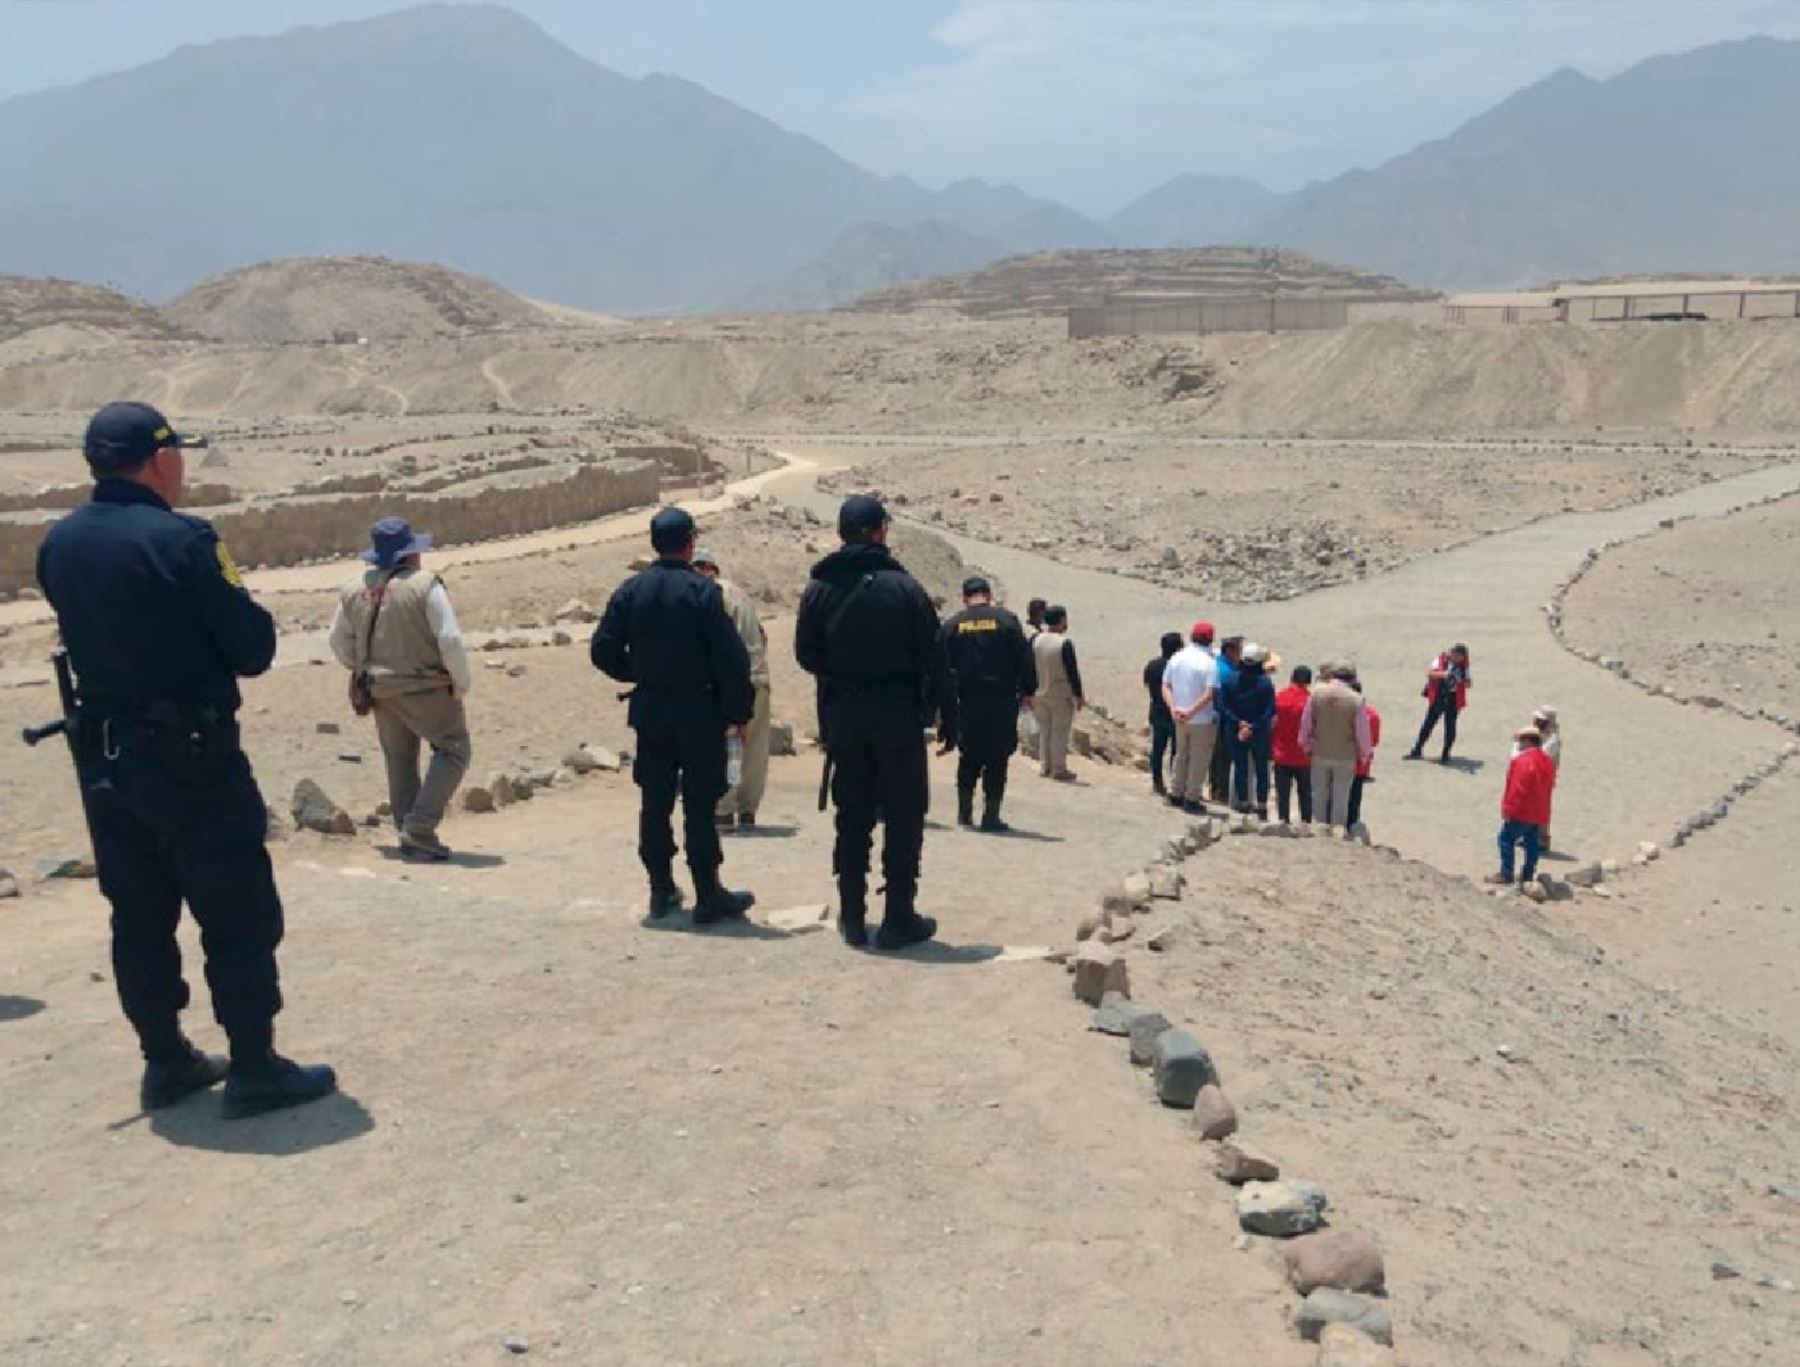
(1248, 696)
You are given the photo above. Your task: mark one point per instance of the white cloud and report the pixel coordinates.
(1096, 101)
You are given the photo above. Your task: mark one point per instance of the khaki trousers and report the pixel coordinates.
(746, 798)
(1056, 720)
(1331, 780)
(436, 719)
(1194, 744)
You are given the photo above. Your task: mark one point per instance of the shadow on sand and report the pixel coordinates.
(459, 859)
(720, 930)
(18, 1008)
(197, 1124)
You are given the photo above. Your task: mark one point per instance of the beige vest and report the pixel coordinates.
(403, 657)
(1053, 679)
(743, 617)
(1334, 721)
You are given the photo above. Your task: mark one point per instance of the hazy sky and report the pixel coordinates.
(1089, 101)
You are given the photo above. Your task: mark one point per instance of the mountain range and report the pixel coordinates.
(464, 134)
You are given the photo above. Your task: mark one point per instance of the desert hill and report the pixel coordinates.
(28, 303)
(314, 299)
(1048, 282)
(454, 133)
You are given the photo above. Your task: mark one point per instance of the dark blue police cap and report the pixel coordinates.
(122, 436)
(671, 529)
(861, 515)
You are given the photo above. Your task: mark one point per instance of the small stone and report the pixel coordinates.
(350, 756)
(9, 886)
(65, 866)
(1182, 1067)
(580, 760)
(1587, 876)
(1238, 1163)
(1214, 1115)
(1089, 925)
(1343, 1258)
(1281, 1209)
(1340, 1345)
(1166, 938)
(1329, 1306)
(1138, 889)
(313, 810)
(608, 761)
(477, 799)
(1769, 1282)
(1165, 882)
(575, 611)
(1145, 1031)
(1724, 1271)
(1117, 928)
(800, 920)
(1535, 891)
(503, 790)
(1116, 1014)
(1785, 1191)
(327, 728)
(515, 1345)
(561, 638)
(1099, 969)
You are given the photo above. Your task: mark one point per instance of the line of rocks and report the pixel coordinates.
(1339, 1273)
(1720, 807)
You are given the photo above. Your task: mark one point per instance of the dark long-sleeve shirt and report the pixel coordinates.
(150, 605)
(666, 631)
(1249, 697)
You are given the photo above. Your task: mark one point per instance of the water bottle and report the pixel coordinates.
(734, 758)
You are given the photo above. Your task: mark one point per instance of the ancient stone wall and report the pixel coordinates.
(293, 533)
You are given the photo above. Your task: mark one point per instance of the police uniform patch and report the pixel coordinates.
(227, 566)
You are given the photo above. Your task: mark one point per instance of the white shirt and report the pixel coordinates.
(1190, 675)
(442, 618)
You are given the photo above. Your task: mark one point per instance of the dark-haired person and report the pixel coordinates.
(990, 677)
(1034, 617)
(1162, 724)
(1446, 693)
(159, 628)
(1246, 717)
(1293, 766)
(868, 633)
(1059, 695)
(665, 631)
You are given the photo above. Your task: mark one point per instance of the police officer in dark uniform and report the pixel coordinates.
(868, 631)
(666, 632)
(990, 673)
(159, 628)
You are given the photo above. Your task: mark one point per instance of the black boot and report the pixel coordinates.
(713, 902)
(179, 1073)
(665, 895)
(901, 925)
(853, 911)
(990, 817)
(965, 806)
(273, 1083)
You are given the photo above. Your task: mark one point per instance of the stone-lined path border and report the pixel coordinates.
(1720, 807)
(1339, 1273)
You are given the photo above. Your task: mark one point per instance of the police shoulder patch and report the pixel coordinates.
(227, 566)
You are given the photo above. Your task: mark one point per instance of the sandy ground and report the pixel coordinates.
(1705, 609)
(1246, 521)
(624, 1145)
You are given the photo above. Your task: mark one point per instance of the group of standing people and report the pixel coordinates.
(1226, 734)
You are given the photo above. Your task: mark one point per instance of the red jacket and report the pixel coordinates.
(1530, 779)
(1363, 766)
(1441, 663)
(1284, 746)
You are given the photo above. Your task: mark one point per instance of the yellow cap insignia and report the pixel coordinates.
(228, 566)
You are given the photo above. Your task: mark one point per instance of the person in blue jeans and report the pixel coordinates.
(1162, 725)
(1247, 721)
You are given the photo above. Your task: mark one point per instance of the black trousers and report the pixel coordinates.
(1444, 707)
(1219, 772)
(1162, 748)
(1356, 792)
(685, 760)
(879, 770)
(163, 838)
(988, 733)
(1292, 779)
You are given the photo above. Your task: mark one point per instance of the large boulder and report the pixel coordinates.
(1281, 1209)
(1326, 1306)
(1182, 1067)
(1345, 1259)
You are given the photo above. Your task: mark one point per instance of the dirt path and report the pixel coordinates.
(1635, 765)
